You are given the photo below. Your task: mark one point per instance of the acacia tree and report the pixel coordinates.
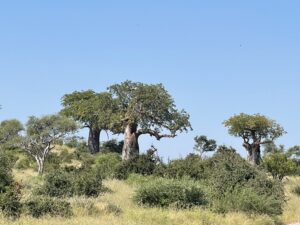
(203, 144)
(255, 130)
(93, 110)
(42, 134)
(145, 109)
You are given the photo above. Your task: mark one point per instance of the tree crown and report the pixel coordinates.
(150, 106)
(256, 127)
(92, 109)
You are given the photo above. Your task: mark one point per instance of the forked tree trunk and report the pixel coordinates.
(131, 145)
(94, 140)
(254, 155)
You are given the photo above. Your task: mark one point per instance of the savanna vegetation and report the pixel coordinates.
(48, 175)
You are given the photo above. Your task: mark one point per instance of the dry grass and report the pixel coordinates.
(105, 210)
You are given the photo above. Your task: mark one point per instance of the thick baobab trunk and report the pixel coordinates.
(254, 156)
(131, 145)
(94, 140)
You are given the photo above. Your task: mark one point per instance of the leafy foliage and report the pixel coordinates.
(42, 206)
(192, 166)
(42, 133)
(165, 193)
(107, 164)
(144, 164)
(204, 145)
(9, 190)
(235, 185)
(66, 184)
(9, 132)
(279, 165)
(255, 130)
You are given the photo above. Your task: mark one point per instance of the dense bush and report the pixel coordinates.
(192, 166)
(58, 184)
(9, 190)
(42, 206)
(279, 165)
(238, 186)
(87, 183)
(164, 193)
(112, 146)
(144, 164)
(77, 182)
(107, 164)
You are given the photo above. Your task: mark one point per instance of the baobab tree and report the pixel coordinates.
(93, 110)
(255, 130)
(145, 109)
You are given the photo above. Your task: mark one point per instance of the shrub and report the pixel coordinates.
(107, 164)
(192, 166)
(144, 164)
(9, 191)
(279, 165)
(165, 193)
(112, 146)
(238, 186)
(87, 183)
(42, 206)
(66, 184)
(58, 184)
(296, 190)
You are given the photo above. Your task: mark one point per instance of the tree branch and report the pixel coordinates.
(154, 133)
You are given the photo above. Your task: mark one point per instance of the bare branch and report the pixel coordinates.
(154, 133)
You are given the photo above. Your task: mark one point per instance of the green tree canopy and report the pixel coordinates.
(42, 134)
(203, 144)
(9, 130)
(93, 110)
(146, 109)
(255, 130)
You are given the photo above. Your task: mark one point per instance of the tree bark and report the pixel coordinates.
(94, 140)
(131, 145)
(254, 155)
(40, 162)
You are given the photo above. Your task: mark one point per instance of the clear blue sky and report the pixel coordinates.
(216, 58)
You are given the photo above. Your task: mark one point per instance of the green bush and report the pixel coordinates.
(279, 165)
(9, 190)
(192, 166)
(235, 185)
(107, 164)
(87, 183)
(42, 206)
(145, 164)
(112, 146)
(164, 193)
(66, 184)
(58, 184)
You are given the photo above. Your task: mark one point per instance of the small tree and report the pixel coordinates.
(203, 144)
(145, 109)
(93, 110)
(42, 134)
(279, 165)
(9, 130)
(255, 130)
